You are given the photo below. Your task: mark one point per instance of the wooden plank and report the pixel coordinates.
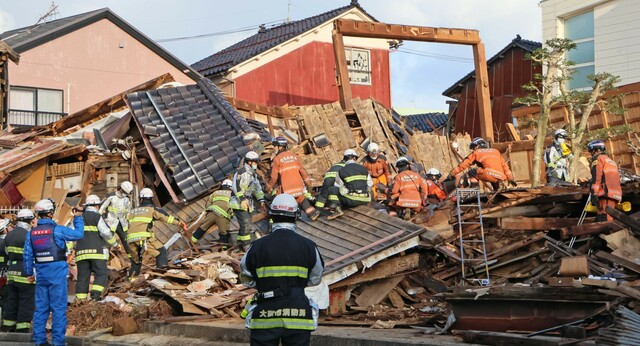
(634, 224)
(396, 299)
(483, 97)
(536, 223)
(344, 84)
(591, 229)
(375, 292)
(620, 260)
(382, 270)
(513, 132)
(338, 301)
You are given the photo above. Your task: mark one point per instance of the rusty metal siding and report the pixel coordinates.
(307, 76)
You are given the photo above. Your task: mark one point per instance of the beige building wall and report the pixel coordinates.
(91, 64)
(616, 32)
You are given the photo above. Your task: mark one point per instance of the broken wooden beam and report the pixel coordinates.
(634, 267)
(590, 229)
(634, 224)
(536, 223)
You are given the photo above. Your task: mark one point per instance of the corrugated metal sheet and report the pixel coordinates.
(208, 133)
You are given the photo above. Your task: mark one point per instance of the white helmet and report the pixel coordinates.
(350, 153)
(45, 206)
(252, 156)
(373, 148)
(560, 133)
(4, 223)
(127, 187)
(433, 171)
(25, 215)
(284, 205)
(227, 183)
(402, 161)
(92, 200)
(146, 193)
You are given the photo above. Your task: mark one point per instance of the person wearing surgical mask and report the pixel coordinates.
(246, 189)
(557, 157)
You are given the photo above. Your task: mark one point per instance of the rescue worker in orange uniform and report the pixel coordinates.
(605, 180)
(435, 193)
(492, 167)
(290, 177)
(377, 166)
(409, 189)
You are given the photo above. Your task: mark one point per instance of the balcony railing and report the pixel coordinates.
(19, 117)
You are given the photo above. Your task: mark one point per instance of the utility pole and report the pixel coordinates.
(289, 11)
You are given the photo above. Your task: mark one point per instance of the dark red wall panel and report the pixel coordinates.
(307, 76)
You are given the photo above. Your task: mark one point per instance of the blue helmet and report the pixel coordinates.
(478, 142)
(596, 145)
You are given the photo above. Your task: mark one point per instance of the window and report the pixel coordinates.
(358, 65)
(579, 29)
(34, 107)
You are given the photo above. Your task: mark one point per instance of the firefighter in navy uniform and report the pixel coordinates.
(92, 251)
(21, 291)
(246, 188)
(45, 245)
(218, 213)
(140, 235)
(4, 227)
(329, 178)
(352, 187)
(280, 311)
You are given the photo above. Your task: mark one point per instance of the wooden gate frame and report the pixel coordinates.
(356, 28)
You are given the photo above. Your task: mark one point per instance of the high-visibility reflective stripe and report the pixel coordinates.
(20, 279)
(330, 175)
(355, 177)
(1, 258)
(91, 228)
(23, 325)
(282, 271)
(91, 256)
(288, 323)
(82, 295)
(170, 219)
(244, 237)
(141, 219)
(97, 288)
(8, 323)
(194, 239)
(15, 249)
(358, 198)
(114, 227)
(219, 211)
(111, 241)
(138, 235)
(220, 198)
(113, 209)
(319, 204)
(333, 198)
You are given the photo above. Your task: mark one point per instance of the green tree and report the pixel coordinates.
(550, 89)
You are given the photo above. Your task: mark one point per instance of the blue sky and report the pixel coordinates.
(420, 72)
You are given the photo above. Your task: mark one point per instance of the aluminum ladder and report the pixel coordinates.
(464, 196)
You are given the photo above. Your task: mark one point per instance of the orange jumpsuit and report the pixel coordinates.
(409, 190)
(379, 171)
(434, 191)
(605, 184)
(290, 177)
(492, 167)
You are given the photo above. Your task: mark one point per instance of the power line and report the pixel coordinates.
(219, 33)
(437, 56)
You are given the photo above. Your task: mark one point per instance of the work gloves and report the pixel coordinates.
(594, 199)
(244, 204)
(513, 183)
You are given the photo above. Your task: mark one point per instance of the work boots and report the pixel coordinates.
(336, 214)
(224, 238)
(314, 215)
(407, 214)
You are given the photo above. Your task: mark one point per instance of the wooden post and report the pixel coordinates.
(482, 91)
(342, 78)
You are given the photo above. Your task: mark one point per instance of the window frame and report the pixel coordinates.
(348, 53)
(582, 40)
(36, 112)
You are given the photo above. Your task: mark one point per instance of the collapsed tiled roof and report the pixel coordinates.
(194, 130)
(527, 45)
(425, 122)
(265, 39)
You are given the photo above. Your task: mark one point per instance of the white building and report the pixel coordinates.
(607, 34)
